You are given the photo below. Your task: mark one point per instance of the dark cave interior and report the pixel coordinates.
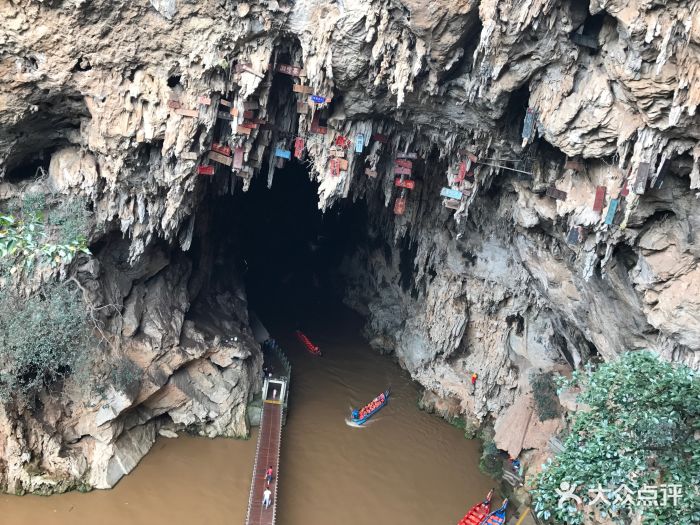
(284, 247)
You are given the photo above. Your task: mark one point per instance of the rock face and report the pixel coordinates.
(523, 110)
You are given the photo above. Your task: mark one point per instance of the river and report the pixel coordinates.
(406, 467)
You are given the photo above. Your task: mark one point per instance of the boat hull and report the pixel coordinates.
(475, 515)
(363, 420)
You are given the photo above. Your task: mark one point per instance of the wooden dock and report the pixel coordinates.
(267, 454)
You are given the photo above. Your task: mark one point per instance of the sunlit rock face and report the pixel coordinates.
(524, 109)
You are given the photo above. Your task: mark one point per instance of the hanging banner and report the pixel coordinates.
(342, 142)
(403, 163)
(238, 158)
(221, 148)
(462, 172)
(205, 170)
(293, 71)
(318, 99)
(450, 193)
(304, 90)
(298, 148)
(556, 194)
(192, 113)
(406, 183)
(599, 199)
(221, 159)
(283, 153)
(611, 211)
(402, 171)
(359, 142)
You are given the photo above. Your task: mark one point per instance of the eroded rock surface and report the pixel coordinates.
(507, 103)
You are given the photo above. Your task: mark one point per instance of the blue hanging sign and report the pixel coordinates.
(318, 99)
(359, 142)
(611, 211)
(450, 193)
(283, 153)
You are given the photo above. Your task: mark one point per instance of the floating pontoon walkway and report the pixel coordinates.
(274, 394)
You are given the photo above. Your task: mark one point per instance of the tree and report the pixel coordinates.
(640, 432)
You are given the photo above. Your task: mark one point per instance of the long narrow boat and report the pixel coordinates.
(361, 416)
(497, 517)
(478, 512)
(307, 343)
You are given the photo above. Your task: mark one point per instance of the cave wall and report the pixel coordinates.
(107, 94)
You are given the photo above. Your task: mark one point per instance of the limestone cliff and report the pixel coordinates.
(565, 136)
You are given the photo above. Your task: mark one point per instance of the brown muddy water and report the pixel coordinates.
(405, 467)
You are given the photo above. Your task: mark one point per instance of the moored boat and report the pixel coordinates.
(478, 512)
(307, 343)
(361, 416)
(497, 517)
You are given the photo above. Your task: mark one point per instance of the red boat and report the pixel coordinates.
(307, 343)
(478, 512)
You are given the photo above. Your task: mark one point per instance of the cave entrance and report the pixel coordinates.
(286, 251)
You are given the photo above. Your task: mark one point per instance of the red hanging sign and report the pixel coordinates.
(293, 71)
(335, 167)
(599, 199)
(625, 189)
(221, 148)
(343, 142)
(400, 206)
(406, 183)
(403, 163)
(298, 147)
(238, 158)
(402, 171)
(205, 170)
(462, 172)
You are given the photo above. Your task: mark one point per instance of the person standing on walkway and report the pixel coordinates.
(268, 475)
(266, 497)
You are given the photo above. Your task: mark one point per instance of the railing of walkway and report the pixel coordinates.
(276, 350)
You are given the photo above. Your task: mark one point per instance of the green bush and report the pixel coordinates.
(640, 432)
(125, 374)
(544, 391)
(43, 339)
(37, 233)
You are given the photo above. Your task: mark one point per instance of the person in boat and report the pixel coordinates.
(355, 413)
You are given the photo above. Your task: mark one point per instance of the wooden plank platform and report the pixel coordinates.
(267, 454)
